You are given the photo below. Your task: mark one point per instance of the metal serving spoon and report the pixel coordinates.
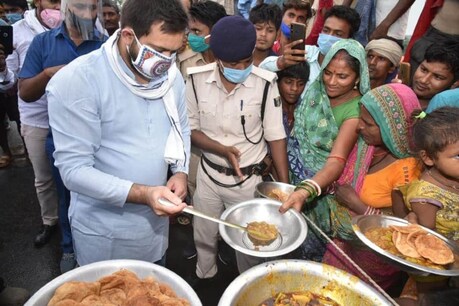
(254, 234)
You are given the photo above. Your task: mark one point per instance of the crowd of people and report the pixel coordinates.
(197, 102)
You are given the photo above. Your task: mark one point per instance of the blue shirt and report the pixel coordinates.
(106, 139)
(53, 48)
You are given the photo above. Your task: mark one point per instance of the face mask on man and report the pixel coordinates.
(150, 63)
(236, 75)
(286, 30)
(51, 18)
(83, 25)
(14, 17)
(325, 42)
(198, 43)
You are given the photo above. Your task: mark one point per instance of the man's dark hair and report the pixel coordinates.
(346, 13)
(446, 53)
(298, 71)
(19, 3)
(264, 13)
(112, 4)
(140, 15)
(299, 5)
(207, 12)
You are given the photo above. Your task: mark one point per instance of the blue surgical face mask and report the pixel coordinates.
(14, 17)
(236, 75)
(325, 42)
(198, 43)
(286, 30)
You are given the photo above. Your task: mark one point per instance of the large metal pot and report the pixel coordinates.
(261, 282)
(94, 271)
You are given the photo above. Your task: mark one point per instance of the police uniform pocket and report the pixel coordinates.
(252, 117)
(207, 115)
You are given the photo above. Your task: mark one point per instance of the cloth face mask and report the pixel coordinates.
(51, 18)
(151, 63)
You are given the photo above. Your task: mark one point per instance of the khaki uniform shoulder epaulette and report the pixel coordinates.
(264, 74)
(199, 69)
(188, 53)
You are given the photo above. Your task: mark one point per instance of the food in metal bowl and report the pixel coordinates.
(412, 243)
(278, 195)
(274, 190)
(306, 298)
(262, 233)
(266, 280)
(120, 288)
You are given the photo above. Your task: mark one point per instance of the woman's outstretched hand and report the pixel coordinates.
(295, 200)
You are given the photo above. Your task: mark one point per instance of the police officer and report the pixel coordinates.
(235, 115)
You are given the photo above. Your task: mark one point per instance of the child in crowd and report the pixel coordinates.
(434, 198)
(291, 83)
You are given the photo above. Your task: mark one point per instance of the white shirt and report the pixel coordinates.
(398, 29)
(7, 79)
(36, 113)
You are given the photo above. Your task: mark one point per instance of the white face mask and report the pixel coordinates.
(151, 63)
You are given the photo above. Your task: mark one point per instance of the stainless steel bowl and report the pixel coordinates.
(291, 226)
(361, 224)
(94, 271)
(263, 189)
(261, 282)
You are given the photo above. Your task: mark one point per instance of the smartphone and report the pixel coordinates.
(298, 31)
(404, 72)
(6, 38)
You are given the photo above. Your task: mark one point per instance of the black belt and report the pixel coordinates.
(256, 169)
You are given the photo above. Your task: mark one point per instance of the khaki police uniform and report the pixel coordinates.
(217, 113)
(188, 59)
(185, 60)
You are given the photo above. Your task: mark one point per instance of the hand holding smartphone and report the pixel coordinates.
(298, 31)
(404, 73)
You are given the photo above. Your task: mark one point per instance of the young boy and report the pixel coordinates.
(267, 20)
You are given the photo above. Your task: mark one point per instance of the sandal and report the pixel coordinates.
(5, 161)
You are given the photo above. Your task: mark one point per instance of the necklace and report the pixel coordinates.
(379, 161)
(446, 185)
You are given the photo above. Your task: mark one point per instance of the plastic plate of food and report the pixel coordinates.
(411, 247)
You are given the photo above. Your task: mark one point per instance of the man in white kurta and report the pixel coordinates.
(117, 127)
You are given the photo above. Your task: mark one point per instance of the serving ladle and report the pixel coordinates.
(255, 235)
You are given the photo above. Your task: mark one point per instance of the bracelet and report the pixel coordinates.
(309, 189)
(339, 158)
(315, 185)
(368, 211)
(372, 211)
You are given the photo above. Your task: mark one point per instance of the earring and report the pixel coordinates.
(356, 85)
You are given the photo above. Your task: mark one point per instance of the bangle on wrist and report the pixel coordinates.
(314, 185)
